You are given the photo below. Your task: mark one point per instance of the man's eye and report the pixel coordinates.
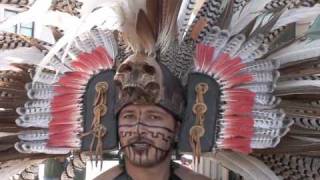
(128, 116)
(155, 117)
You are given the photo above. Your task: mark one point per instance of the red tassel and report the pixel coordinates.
(70, 81)
(241, 98)
(238, 80)
(65, 100)
(233, 68)
(89, 61)
(106, 60)
(238, 121)
(79, 75)
(238, 132)
(64, 128)
(238, 91)
(66, 107)
(98, 60)
(79, 66)
(64, 135)
(61, 90)
(64, 140)
(238, 108)
(72, 107)
(62, 121)
(242, 145)
(204, 55)
(67, 115)
(218, 64)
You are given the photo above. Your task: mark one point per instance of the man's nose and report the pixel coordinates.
(140, 128)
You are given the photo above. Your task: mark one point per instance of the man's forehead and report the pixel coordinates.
(145, 108)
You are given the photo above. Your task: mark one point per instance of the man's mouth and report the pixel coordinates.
(140, 146)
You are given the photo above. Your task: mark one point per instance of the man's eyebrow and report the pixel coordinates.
(155, 111)
(127, 111)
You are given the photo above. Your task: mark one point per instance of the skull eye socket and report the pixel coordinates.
(148, 69)
(125, 68)
(153, 87)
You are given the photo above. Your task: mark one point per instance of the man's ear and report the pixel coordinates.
(177, 130)
(178, 126)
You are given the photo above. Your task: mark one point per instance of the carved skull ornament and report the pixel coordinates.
(140, 79)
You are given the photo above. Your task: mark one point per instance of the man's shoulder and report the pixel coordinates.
(187, 174)
(110, 174)
(182, 172)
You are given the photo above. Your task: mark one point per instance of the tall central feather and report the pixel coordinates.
(146, 33)
(149, 24)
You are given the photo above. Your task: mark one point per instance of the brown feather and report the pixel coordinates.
(14, 78)
(10, 92)
(145, 32)
(13, 95)
(8, 119)
(302, 69)
(226, 15)
(297, 141)
(291, 166)
(153, 15)
(292, 146)
(298, 108)
(9, 139)
(24, 67)
(315, 91)
(302, 97)
(4, 147)
(248, 29)
(9, 128)
(150, 27)
(168, 22)
(16, 2)
(12, 103)
(57, 34)
(198, 27)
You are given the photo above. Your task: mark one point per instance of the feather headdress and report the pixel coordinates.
(252, 85)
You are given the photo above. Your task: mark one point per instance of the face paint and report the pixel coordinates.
(146, 134)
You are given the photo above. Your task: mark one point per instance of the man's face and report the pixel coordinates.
(146, 134)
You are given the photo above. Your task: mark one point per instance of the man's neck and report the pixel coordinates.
(160, 171)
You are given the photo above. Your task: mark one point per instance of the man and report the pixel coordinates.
(149, 111)
(150, 105)
(147, 133)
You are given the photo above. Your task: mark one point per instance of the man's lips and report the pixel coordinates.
(140, 146)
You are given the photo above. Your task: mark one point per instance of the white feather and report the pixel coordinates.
(90, 5)
(96, 18)
(296, 15)
(185, 17)
(297, 51)
(107, 40)
(242, 18)
(63, 21)
(105, 16)
(28, 55)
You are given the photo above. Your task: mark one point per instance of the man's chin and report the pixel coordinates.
(145, 156)
(147, 164)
